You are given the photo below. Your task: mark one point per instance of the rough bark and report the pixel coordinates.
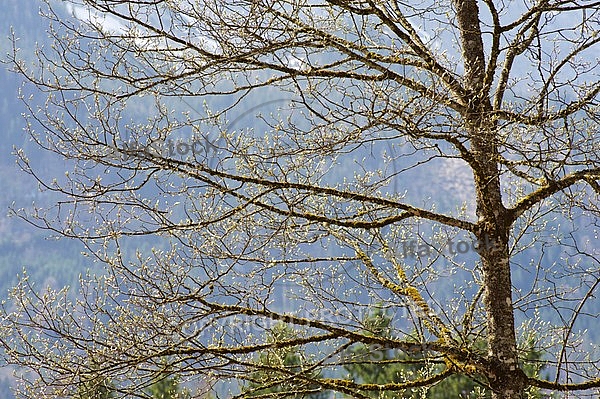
(508, 381)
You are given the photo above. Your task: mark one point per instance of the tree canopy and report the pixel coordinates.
(426, 153)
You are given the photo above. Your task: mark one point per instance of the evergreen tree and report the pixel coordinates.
(289, 358)
(96, 388)
(167, 385)
(378, 365)
(167, 388)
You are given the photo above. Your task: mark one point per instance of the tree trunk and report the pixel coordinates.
(505, 377)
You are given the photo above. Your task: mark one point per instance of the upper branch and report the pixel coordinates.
(564, 387)
(551, 188)
(193, 169)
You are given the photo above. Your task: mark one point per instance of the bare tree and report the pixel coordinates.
(409, 126)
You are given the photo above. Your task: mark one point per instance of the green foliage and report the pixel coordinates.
(376, 365)
(167, 388)
(99, 387)
(167, 385)
(275, 366)
(96, 388)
